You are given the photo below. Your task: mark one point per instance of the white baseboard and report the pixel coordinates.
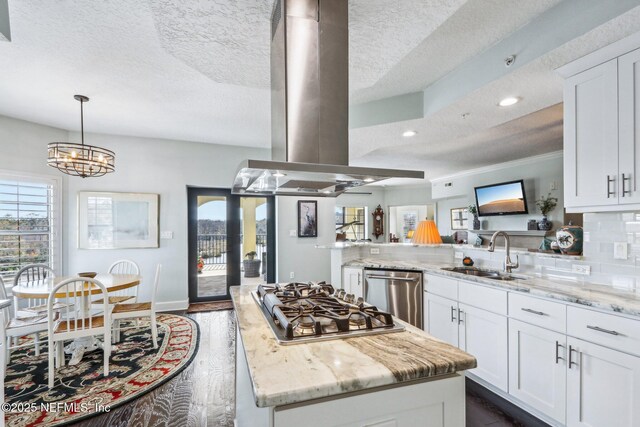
(172, 305)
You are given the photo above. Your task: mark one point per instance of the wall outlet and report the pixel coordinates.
(293, 233)
(553, 185)
(166, 234)
(620, 250)
(292, 275)
(581, 269)
(458, 255)
(375, 251)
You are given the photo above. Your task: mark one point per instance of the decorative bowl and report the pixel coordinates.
(89, 274)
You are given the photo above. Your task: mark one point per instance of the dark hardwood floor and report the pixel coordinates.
(203, 394)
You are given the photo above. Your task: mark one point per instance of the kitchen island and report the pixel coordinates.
(404, 378)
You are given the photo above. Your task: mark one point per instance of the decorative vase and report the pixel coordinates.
(251, 267)
(570, 239)
(476, 222)
(545, 224)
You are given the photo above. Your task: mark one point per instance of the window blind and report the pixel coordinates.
(28, 235)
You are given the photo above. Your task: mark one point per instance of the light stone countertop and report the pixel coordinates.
(285, 374)
(587, 294)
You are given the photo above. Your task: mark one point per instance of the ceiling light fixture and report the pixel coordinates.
(368, 180)
(279, 174)
(80, 159)
(508, 101)
(409, 133)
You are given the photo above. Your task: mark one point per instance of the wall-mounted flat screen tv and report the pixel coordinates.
(506, 198)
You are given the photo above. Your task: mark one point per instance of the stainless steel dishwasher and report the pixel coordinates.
(397, 291)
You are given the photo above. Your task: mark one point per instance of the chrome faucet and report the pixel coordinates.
(508, 265)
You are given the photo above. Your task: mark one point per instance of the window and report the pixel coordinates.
(29, 223)
(353, 222)
(459, 218)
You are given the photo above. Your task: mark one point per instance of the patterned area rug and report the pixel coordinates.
(81, 391)
(210, 306)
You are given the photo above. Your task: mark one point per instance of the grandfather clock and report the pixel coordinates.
(378, 222)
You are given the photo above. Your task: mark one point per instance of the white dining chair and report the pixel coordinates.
(76, 320)
(123, 266)
(16, 328)
(31, 275)
(134, 311)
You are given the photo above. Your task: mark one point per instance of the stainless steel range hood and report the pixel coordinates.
(309, 107)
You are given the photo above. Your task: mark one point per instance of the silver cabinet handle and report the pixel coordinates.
(528, 310)
(571, 362)
(460, 313)
(609, 181)
(606, 331)
(453, 314)
(624, 180)
(400, 279)
(558, 358)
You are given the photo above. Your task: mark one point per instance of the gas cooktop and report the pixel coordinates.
(304, 312)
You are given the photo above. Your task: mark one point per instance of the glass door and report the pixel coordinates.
(230, 238)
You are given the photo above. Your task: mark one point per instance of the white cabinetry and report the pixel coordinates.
(476, 329)
(352, 280)
(603, 386)
(537, 368)
(601, 129)
(591, 137)
(441, 318)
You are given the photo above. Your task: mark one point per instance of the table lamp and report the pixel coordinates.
(427, 233)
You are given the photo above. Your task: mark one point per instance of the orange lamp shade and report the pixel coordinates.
(426, 233)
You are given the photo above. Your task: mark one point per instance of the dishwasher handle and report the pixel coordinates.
(401, 279)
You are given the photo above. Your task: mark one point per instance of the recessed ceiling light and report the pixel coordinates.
(409, 133)
(510, 100)
(368, 180)
(327, 192)
(279, 174)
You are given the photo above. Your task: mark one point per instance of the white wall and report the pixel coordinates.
(299, 254)
(142, 165)
(537, 174)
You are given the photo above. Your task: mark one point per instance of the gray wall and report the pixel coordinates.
(142, 165)
(537, 177)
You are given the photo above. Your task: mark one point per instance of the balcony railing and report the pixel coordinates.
(213, 247)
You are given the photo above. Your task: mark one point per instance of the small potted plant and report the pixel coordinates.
(473, 210)
(200, 264)
(251, 265)
(546, 205)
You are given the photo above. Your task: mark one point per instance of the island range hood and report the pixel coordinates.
(309, 107)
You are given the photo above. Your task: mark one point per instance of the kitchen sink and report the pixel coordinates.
(489, 274)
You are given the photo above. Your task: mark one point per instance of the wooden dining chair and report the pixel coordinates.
(19, 327)
(76, 320)
(123, 266)
(134, 311)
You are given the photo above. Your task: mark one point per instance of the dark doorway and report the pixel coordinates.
(223, 229)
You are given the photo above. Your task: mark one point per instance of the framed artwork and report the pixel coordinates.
(459, 218)
(117, 220)
(307, 218)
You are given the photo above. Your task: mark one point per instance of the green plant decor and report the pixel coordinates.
(546, 204)
(251, 255)
(473, 210)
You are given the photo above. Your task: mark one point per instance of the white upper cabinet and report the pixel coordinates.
(629, 135)
(601, 129)
(591, 136)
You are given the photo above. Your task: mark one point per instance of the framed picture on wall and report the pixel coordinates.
(459, 218)
(307, 218)
(117, 220)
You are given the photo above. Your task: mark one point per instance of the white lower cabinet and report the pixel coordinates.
(603, 386)
(537, 368)
(352, 281)
(441, 318)
(484, 335)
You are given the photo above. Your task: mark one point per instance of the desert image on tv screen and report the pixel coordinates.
(504, 198)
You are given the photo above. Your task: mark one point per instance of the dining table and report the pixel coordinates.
(41, 289)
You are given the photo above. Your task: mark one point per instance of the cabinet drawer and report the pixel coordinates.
(607, 330)
(440, 285)
(539, 312)
(494, 300)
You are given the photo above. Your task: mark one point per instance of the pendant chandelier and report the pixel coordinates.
(80, 159)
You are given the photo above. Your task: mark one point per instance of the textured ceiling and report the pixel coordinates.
(447, 143)
(198, 70)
